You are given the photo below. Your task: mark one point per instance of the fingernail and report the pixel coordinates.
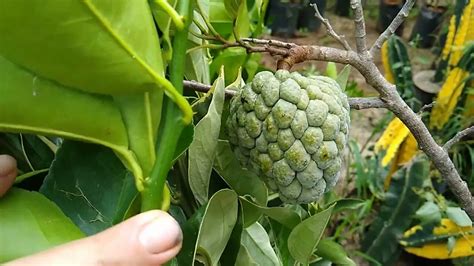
(160, 235)
(7, 165)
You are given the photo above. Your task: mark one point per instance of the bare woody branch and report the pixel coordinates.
(366, 103)
(359, 21)
(396, 22)
(458, 137)
(357, 103)
(331, 32)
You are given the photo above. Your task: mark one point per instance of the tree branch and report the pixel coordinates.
(396, 22)
(355, 103)
(366, 103)
(359, 21)
(340, 38)
(460, 135)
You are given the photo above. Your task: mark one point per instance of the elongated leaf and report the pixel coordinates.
(244, 258)
(343, 77)
(96, 193)
(256, 241)
(252, 212)
(305, 236)
(186, 138)
(348, 204)
(30, 223)
(141, 114)
(334, 252)
(242, 181)
(24, 93)
(163, 21)
(459, 216)
(396, 214)
(232, 7)
(209, 229)
(280, 236)
(90, 45)
(217, 224)
(242, 23)
(202, 150)
(197, 61)
(231, 251)
(429, 213)
(232, 59)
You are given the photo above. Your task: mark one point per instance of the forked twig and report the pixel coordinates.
(340, 38)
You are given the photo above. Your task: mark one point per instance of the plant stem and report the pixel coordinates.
(172, 124)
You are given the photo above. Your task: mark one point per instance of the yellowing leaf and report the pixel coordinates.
(463, 247)
(391, 139)
(461, 34)
(407, 151)
(386, 64)
(448, 97)
(449, 38)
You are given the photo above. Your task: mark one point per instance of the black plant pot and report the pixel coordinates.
(426, 25)
(425, 88)
(388, 10)
(306, 18)
(343, 8)
(283, 18)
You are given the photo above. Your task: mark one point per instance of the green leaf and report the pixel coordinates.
(232, 7)
(30, 223)
(280, 236)
(343, 77)
(429, 212)
(197, 61)
(231, 251)
(185, 139)
(232, 59)
(202, 150)
(459, 216)
(334, 252)
(451, 244)
(217, 224)
(257, 243)
(54, 41)
(252, 212)
(257, 14)
(56, 110)
(142, 114)
(331, 70)
(396, 213)
(163, 21)
(96, 193)
(348, 204)
(219, 17)
(243, 182)
(244, 258)
(305, 236)
(242, 22)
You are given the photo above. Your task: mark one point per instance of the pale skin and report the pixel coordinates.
(150, 238)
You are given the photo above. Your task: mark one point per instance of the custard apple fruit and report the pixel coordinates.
(291, 130)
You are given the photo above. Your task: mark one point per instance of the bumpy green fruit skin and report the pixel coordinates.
(291, 130)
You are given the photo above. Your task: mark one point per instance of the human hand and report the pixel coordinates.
(150, 238)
